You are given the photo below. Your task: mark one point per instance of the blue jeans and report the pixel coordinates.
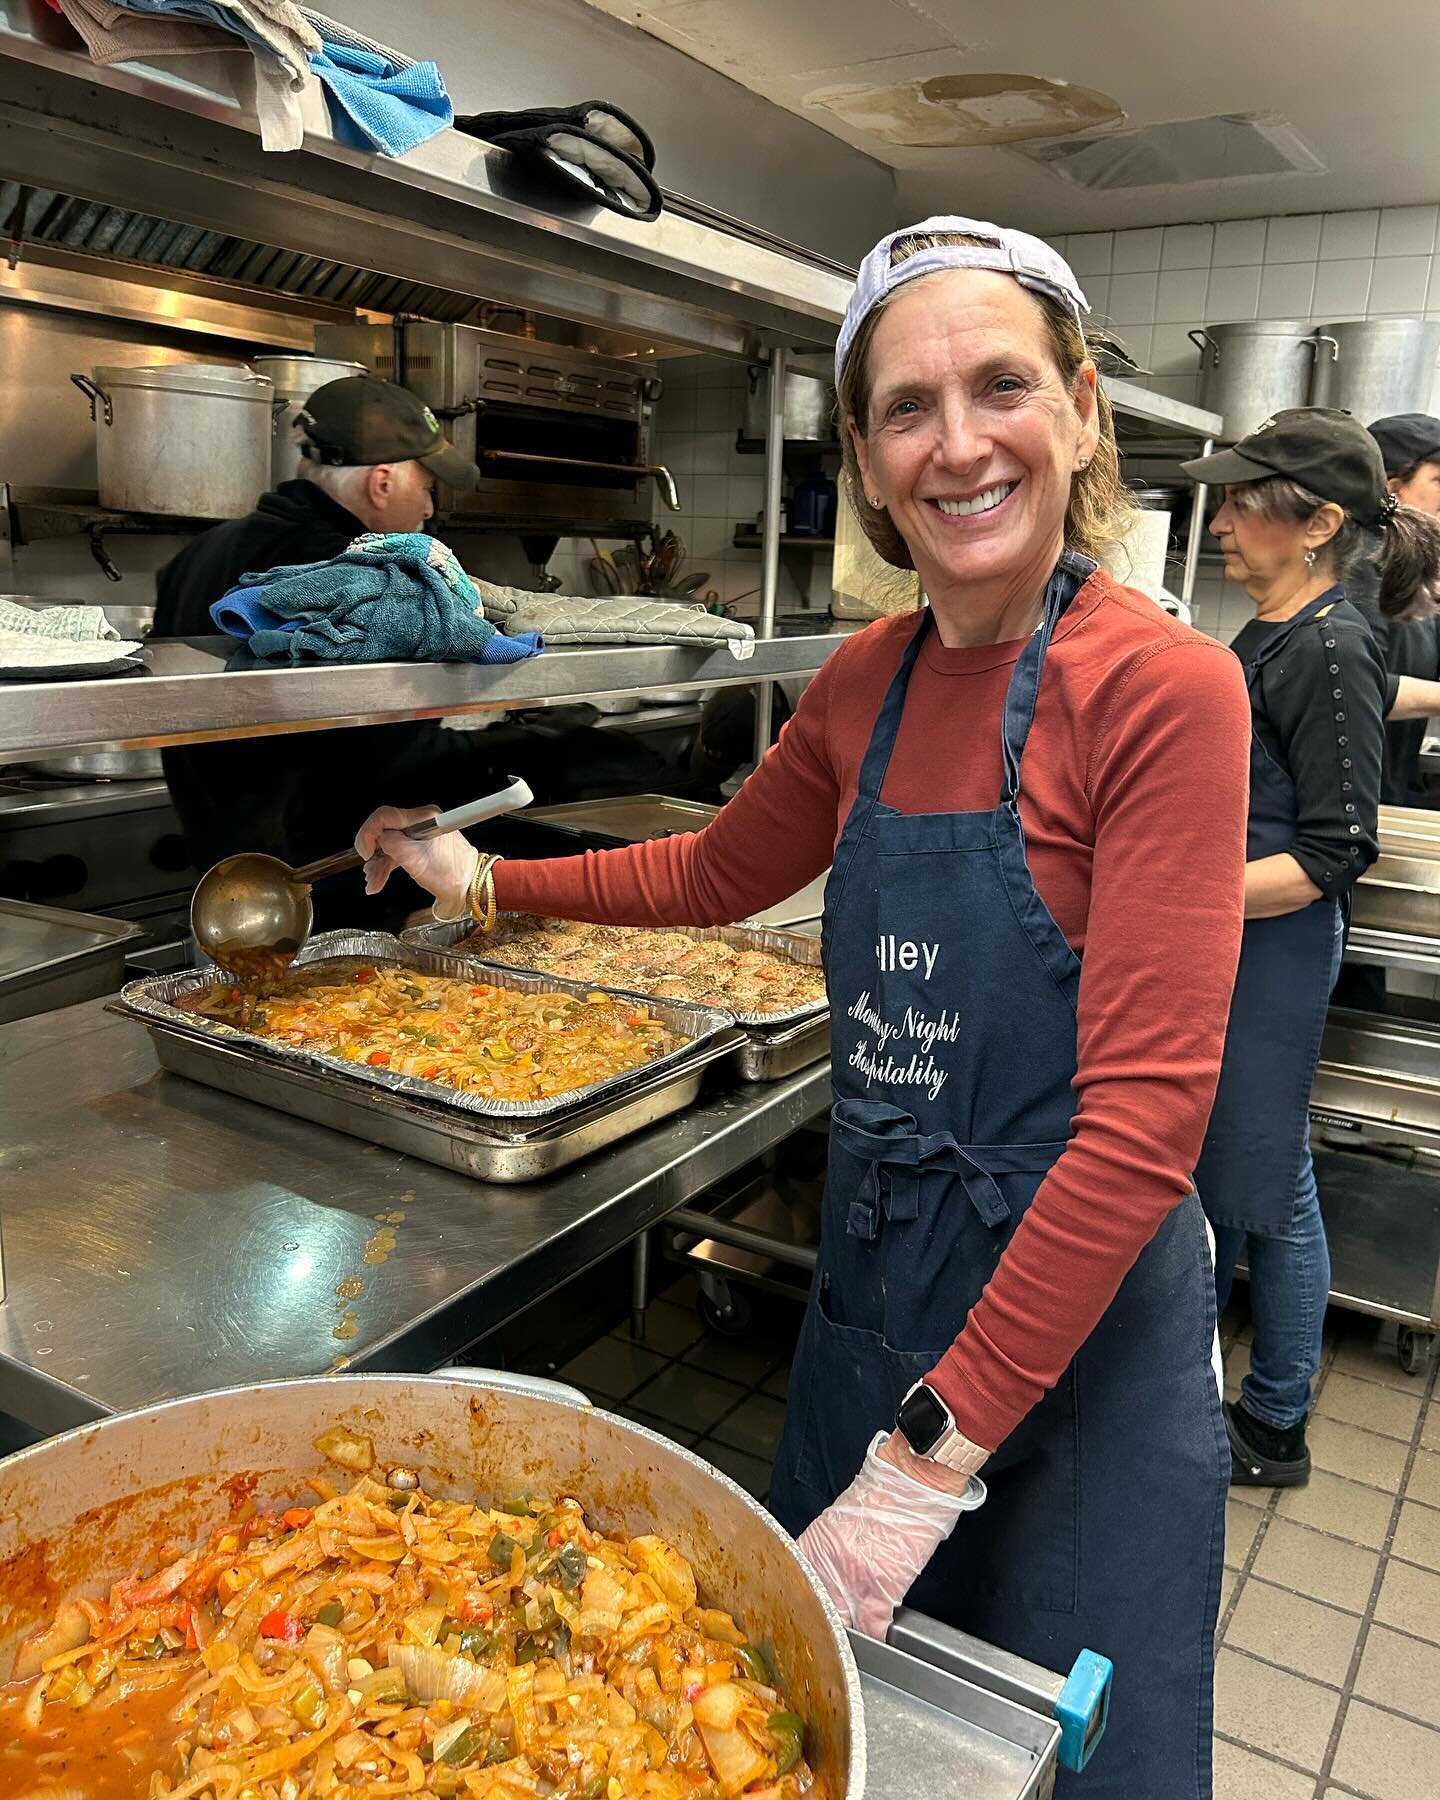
(1289, 1285)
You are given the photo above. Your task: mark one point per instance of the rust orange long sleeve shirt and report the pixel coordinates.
(1133, 798)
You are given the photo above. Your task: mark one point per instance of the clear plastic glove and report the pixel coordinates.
(871, 1544)
(443, 866)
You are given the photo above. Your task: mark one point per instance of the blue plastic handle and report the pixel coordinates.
(1083, 1708)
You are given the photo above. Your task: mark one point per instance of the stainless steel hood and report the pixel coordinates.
(176, 171)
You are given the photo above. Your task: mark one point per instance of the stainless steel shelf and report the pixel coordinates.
(199, 690)
(161, 1238)
(1393, 950)
(1157, 415)
(464, 213)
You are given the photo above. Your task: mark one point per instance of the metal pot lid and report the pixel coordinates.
(1261, 328)
(227, 380)
(1408, 327)
(298, 362)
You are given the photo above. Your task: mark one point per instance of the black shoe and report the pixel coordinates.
(1264, 1455)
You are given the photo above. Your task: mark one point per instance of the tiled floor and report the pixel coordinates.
(1328, 1676)
(1328, 1680)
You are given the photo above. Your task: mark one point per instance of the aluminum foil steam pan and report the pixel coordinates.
(155, 1000)
(794, 946)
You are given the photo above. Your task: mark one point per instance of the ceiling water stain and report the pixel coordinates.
(969, 111)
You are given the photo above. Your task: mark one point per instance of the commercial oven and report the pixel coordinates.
(561, 436)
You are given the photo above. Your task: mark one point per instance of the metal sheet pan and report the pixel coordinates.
(486, 1150)
(793, 945)
(50, 957)
(931, 1732)
(628, 818)
(1379, 1072)
(640, 818)
(1399, 893)
(771, 1056)
(154, 1000)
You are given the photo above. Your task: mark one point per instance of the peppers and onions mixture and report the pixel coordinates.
(486, 1040)
(383, 1641)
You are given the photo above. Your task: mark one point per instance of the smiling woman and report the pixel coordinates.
(1029, 975)
(1036, 395)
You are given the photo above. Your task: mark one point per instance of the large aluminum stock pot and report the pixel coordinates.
(82, 1510)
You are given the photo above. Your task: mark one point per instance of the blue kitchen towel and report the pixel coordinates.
(388, 597)
(377, 104)
(242, 613)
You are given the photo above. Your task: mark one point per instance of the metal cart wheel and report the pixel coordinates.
(723, 1309)
(1414, 1348)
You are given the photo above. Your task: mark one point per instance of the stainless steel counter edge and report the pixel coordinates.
(162, 1238)
(198, 690)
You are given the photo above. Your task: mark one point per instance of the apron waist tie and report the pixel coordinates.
(898, 1154)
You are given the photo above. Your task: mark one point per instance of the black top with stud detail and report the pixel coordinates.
(1325, 696)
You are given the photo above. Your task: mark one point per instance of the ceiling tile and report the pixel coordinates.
(759, 40)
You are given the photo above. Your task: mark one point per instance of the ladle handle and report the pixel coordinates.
(509, 799)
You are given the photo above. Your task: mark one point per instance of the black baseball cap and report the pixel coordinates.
(1406, 439)
(1327, 451)
(360, 420)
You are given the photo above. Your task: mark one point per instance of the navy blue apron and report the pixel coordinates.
(953, 1002)
(1260, 1123)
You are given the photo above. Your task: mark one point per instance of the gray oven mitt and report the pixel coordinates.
(611, 619)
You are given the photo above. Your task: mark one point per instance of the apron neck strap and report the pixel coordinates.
(1286, 629)
(887, 721)
(1071, 573)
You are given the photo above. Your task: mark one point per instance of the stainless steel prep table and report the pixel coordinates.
(160, 1237)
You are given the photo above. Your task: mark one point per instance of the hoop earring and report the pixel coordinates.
(1309, 559)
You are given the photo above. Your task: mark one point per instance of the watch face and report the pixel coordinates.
(922, 1419)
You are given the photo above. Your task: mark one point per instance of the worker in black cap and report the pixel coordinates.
(371, 453)
(1410, 637)
(1410, 446)
(1306, 500)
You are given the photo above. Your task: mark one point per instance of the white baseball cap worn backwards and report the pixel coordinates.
(1030, 260)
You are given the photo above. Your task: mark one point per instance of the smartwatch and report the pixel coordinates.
(927, 1425)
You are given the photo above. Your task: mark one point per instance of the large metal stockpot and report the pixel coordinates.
(296, 379)
(190, 440)
(1253, 369)
(1375, 367)
(82, 1510)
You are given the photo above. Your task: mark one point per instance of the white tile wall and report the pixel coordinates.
(1152, 286)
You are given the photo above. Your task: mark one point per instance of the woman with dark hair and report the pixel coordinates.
(1305, 501)
(1409, 633)
(1032, 800)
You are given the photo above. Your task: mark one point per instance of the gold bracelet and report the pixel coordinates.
(481, 895)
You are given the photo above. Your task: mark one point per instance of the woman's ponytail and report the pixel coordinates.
(1409, 559)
